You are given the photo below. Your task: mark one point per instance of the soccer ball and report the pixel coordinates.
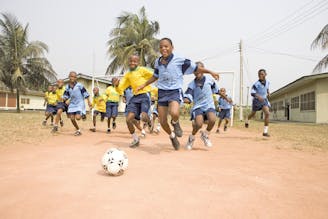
(114, 161)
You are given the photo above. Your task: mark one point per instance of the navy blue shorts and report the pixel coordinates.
(111, 109)
(51, 109)
(102, 114)
(139, 104)
(75, 113)
(199, 111)
(62, 105)
(167, 96)
(224, 114)
(258, 105)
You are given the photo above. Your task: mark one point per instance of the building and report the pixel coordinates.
(303, 100)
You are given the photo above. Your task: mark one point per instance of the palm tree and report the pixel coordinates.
(321, 41)
(134, 35)
(22, 63)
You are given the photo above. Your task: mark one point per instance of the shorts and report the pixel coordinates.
(102, 114)
(51, 109)
(75, 113)
(62, 105)
(111, 109)
(139, 104)
(199, 111)
(225, 114)
(167, 96)
(258, 105)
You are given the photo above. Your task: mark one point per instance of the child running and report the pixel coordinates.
(169, 71)
(128, 94)
(224, 107)
(113, 98)
(61, 106)
(154, 110)
(140, 102)
(200, 92)
(99, 106)
(74, 96)
(50, 99)
(260, 93)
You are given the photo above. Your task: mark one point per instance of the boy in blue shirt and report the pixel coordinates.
(200, 92)
(260, 93)
(74, 96)
(224, 107)
(169, 71)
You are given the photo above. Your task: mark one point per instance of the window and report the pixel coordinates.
(25, 101)
(281, 105)
(295, 102)
(274, 107)
(308, 101)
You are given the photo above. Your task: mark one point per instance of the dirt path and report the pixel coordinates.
(242, 176)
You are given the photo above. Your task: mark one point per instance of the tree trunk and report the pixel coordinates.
(17, 101)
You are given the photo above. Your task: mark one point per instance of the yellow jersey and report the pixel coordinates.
(51, 98)
(99, 103)
(112, 94)
(135, 78)
(154, 93)
(60, 93)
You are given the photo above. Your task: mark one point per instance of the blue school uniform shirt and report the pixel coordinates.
(128, 94)
(170, 75)
(76, 94)
(200, 92)
(260, 88)
(223, 103)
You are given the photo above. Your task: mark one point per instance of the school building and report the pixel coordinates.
(303, 100)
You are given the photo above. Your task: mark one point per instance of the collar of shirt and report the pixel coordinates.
(200, 82)
(262, 82)
(73, 85)
(167, 60)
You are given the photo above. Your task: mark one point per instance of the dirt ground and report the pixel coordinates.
(243, 176)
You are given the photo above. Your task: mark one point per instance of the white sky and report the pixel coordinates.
(75, 30)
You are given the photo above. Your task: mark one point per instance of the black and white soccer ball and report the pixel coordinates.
(115, 161)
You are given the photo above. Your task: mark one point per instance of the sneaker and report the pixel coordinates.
(134, 143)
(177, 129)
(114, 125)
(44, 123)
(217, 131)
(246, 125)
(84, 117)
(266, 134)
(108, 131)
(175, 143)
(61, 123)
(156, 131)
(93, 129)
(143, 133)
(54, 129)
(77, 133)
(225, 128)
(190, 143)
(205, 139)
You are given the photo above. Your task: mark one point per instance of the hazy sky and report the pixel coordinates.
(207, 30)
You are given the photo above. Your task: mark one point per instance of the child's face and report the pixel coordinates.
(197, 73)
(165, 48)
(72, 77)
(49, 88)
(133, 62)
(262, 75)
(60, 83)
(222, 91)
(95, 91)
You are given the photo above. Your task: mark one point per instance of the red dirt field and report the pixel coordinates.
(242, 176)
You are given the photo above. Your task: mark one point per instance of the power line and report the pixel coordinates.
(224, 52)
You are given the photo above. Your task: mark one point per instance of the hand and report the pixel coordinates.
(67, 102)
(215, 75)
(140, 88)
(116, 81)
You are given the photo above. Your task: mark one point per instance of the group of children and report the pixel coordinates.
(166, 98)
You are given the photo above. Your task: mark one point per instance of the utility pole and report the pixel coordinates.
(247, 97)
(241, 82)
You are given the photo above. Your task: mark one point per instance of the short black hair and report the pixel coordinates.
(168, 39)
(261, 70)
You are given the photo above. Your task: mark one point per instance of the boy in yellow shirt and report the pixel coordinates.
(113, 98)
(50, 98)
(61, 106)
(99, 106)
(139, 104)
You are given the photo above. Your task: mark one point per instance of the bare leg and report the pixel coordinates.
(163, 112)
